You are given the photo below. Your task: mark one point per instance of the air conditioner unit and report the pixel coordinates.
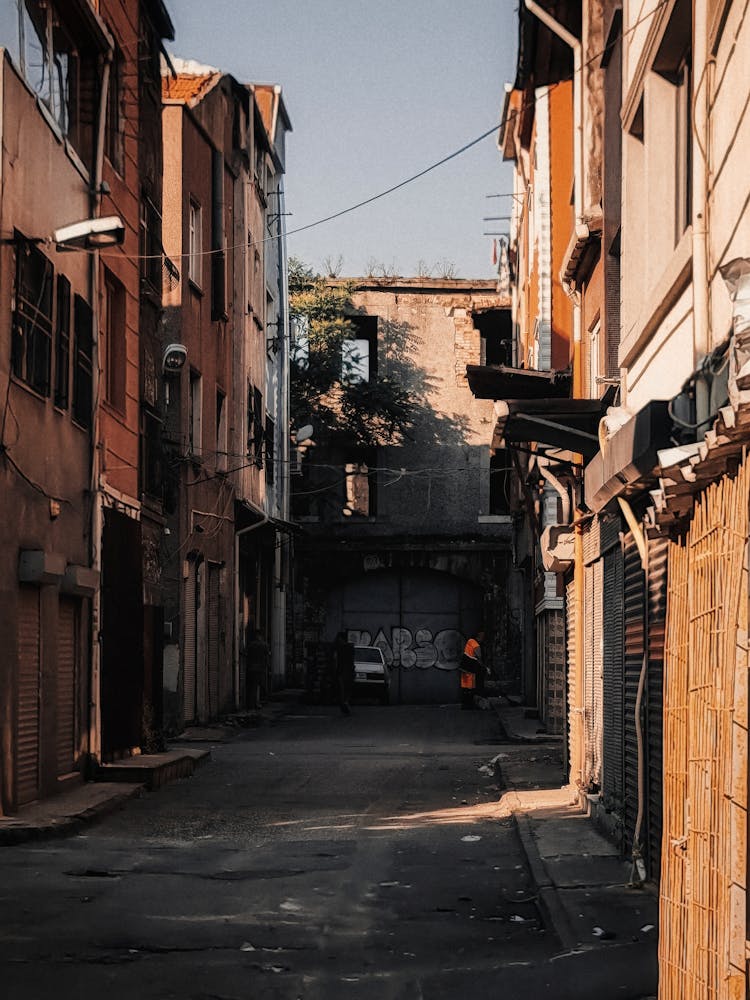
(295, 461)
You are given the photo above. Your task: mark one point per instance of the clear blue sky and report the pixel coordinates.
(376, 92)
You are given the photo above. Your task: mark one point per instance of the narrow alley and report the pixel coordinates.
(319, 856)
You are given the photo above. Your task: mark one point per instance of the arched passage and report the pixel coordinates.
(419, 618)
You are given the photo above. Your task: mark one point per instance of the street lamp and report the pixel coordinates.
(90, 234)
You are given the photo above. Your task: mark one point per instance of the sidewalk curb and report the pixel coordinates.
(548, 895)
(18, 832)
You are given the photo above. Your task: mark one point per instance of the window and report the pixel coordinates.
(31, 348)
(218, 240)
(501, 470)
(359, 351)
(221, 431)
(254, 425)
(62, 344)
(195, 246)
(115, 145)
(260, 171)
(684, 146)
(195, 416)
(359, 488)
(83, 362)
(151, 249)
(113, 345)
(48, 60)
(151, 461)
(595, 388)
(258, 427)
(270, 444)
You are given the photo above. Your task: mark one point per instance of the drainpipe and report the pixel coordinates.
(577, 749)
(700, 139)
(283, 433)
(237, 617)
(641, 540)
(555, 483)
(574, 43)
(97, 513)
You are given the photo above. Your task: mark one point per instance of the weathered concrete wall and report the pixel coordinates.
(429, 566)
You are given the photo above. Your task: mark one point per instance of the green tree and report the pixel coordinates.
(327, 386)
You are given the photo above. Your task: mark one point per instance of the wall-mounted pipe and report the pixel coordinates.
(97, 513)
(555, 483)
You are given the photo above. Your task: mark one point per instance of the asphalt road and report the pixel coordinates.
(322, 857)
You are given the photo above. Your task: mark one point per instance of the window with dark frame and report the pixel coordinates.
(258, 427)
(31, 345)
(195, 244)
(501, 471)
(152, 467)
(254, 425)
(195, 415)
(151, 248)
(359, 352)
(113, 336)
(360, 486)
(221, 431)
(270, 445)
(684, 144)
(62, 344)
(83, 362)
(49, 60)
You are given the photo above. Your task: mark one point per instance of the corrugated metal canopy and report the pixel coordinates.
(560, 423)
(502, 382)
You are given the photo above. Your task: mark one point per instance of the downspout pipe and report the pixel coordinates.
(97, 513)
(577, 748)
(569, 39)
(638, 870)
(700, 141)
(555, 483)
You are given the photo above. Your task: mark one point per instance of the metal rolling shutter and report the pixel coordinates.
(66, 685)
(190, 645)
(214, 578)
(570, 625)
(633, 661)
(588, 673)
(657, 616)
(27, 738)
(598, 669)
(613, 749)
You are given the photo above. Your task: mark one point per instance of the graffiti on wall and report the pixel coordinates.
(420, 649)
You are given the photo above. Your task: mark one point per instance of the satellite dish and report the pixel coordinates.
(304, 433)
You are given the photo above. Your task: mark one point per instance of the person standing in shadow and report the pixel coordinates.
(343, 652)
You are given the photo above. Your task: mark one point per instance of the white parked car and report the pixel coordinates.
(371, 675)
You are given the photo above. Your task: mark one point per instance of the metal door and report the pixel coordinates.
(29, 692)
(67, 672)
(190, 641)
(213, 639)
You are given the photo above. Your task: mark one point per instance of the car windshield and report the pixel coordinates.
(367, 654)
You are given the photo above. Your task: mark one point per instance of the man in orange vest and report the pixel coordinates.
(471, 670)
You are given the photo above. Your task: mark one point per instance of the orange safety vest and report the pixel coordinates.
(469, 678)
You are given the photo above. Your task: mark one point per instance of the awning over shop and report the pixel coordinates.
(570, 424)
(502, 382)
(629, 459)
